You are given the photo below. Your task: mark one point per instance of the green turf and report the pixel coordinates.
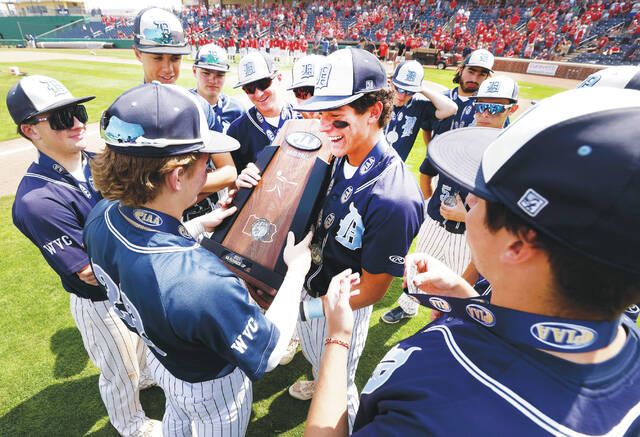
(47, 385)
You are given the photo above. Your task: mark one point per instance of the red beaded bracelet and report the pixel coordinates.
(330, 340)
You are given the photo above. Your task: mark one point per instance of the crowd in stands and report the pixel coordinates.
(544, 29)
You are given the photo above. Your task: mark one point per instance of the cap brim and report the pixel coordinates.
(239, 84)
(62, 104)
(410, 88)
(301, 84)
(325, 103)
(219, 143)
(169, 50)
(457, 154)
(212, 67)
(480, 66)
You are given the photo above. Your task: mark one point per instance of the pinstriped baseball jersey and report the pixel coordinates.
(50, 209)
(254, 133)
(368, 221)
(190, 310)
(479, 384)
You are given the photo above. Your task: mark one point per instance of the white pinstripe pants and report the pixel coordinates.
(452, 249)
(312, 335)
(220, 407)
(119, 354)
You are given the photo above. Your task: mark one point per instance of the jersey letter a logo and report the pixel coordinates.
(351, 229)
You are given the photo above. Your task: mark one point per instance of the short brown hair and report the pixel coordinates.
(385, 96)
(134, 180)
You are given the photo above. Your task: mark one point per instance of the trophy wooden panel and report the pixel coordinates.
(251, 242)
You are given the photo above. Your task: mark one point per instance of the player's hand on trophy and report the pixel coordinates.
(424, 273)
(249, 177)
(298, 256)
(212, 219)
(86, 275)
(337, 308)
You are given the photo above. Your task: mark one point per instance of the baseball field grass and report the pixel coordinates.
(47, 384)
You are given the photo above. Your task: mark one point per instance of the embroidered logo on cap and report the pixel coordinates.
(307, 71)
(323, 77)
(368, 84)
(55, 87)
(249, 69)
(532, 203)
(411, 76)
(493, 87)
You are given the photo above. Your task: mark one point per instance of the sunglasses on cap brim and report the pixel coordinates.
(492, 108)
(261, 85)
(63, 118)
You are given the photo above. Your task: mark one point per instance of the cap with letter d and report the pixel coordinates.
(157, 30)
(620, 76)
(305, 71)
(480, 58)
(255, 66)
(570, 167)
(498, 87)
(212, 57)
(408, 76)
(156, 120)
(35, 95)
(345, 76)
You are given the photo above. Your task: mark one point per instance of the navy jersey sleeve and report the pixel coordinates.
(234, 328)
(55, 229)
(243, 155)
(392, 221)
(428, 115)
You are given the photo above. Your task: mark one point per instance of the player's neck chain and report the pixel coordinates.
(86, 186)
(150, 220)
(522, 328)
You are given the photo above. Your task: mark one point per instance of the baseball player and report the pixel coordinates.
(373, 206)
(159, 45)
(549, 353)
(304, 76)
(411, 109)
(442, 235)
(257, 128)
(52, 203)
(207, 340)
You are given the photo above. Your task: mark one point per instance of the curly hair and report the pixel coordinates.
(134, 180)
(385, 96)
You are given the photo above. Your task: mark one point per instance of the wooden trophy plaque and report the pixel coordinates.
(295, 171)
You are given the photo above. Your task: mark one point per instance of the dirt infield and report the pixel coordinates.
(17, 154)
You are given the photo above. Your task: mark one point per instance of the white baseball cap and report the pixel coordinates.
(346, 75)
(480, 58)
(621, 76)
(408, 76)
(212, 57)
(255, 66)
(305, 71)
(499, 87)
(157, 30)
(34, 95)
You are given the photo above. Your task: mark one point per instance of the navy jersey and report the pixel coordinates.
(463, 118)
(191, 311)
(456, 378)
(368, 221)
(406, 121)
(50, 209)
(254, 133)
(224, 112)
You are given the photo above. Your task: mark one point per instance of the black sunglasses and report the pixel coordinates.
(62, 119)
(261, 84)
(303, 92)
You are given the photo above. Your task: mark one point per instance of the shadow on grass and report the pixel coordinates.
(69, 409)
(71, 358)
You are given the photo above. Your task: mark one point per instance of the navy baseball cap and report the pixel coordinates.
(159, 120)
(620, 76)
(346, 75)
(35, 95)
(408, 76)
(570, 167)
(157, 30)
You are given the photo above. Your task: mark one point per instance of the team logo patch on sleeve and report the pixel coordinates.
(440, 304)
(147, 217)
(397, 259)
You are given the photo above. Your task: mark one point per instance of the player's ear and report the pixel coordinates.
(175, 178)
(138, 54)
(375, 112)
(520, 247)
(29, 131)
